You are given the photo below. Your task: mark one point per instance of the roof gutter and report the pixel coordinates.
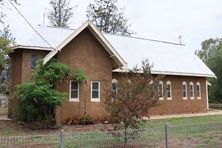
(173, 73)
(31, 47)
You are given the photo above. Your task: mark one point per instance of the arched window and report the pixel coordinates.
(169, 90)
(184, 90)
(114, 86)
(198, 90)
(160, 90)
(191, 90)
(151, 86)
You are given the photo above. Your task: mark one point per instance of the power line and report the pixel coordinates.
(30, 24)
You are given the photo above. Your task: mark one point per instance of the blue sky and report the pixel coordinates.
(195, 20)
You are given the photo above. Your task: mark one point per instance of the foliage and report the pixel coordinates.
(208, 48)
(216, 84)
(51, 72)
(61, 13)
(86, 120)
(79, 75)
(137, 94)
(6, 40)
(108, 17)
(39, 97)
(211, 54)
(79, 120)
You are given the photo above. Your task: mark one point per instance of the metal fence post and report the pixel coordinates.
(62, 138)
(166, 135)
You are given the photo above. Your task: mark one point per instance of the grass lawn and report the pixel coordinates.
(182, 121)
(204, 131)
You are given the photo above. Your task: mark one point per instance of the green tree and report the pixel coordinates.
(208, 48)
(215, 63)
(211, 55)
(39, 98)
(106, 15)
(6, 40)
(61, 13)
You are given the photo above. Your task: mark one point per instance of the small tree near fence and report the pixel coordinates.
(137, 93)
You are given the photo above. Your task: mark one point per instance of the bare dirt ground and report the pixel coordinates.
(9, 128)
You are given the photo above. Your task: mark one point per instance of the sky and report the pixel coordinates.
(194, 20)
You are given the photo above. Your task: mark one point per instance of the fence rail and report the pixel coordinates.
(193, 135)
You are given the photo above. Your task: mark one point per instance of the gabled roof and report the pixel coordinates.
(167, 58)
(54, 36)
(117, 58)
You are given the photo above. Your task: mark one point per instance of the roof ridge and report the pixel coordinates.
(147, 39)
(135, 37)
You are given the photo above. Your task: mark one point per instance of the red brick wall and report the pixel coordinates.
(15, 78)
(20, 72)
(177, 105)
(87, 54)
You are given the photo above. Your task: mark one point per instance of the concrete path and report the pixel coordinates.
(210, 112)
(4, 118)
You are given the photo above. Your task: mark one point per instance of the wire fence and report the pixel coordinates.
(194, 135)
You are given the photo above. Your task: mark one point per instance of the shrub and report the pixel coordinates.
(79, 120)
(86, 120)
(39, 98)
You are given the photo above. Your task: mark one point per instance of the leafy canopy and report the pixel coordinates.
(51, 72)
(6, 40)
(61, 13)
(216, 84)
(39, 97)
(208, 48)
(211, 54)
(137, 93)
(106, 15)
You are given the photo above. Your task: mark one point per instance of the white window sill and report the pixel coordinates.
(184, 98)
(95, 100)
(169, 98)
(161, 99)
(192, 98)
(73, 100)
(199, 98)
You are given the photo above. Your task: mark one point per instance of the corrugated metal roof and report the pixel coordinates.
(166, 58)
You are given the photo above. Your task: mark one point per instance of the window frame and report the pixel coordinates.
(114, 81)
(95, 99)
(34, 59)
(70, 93)
(160, 83)
(191, 90)
(198, 84)
(115, 92)
(169, 83)
(184, 83)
